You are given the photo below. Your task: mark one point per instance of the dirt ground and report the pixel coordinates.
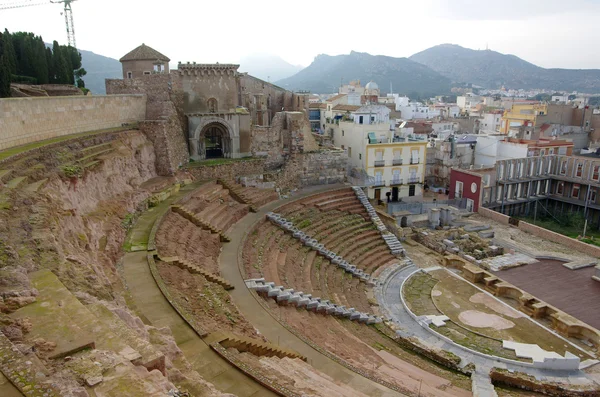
(209, 303)
(368, 349)
(529, 243)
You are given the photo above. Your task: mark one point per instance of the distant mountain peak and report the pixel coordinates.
(492, 69)
(326, 72)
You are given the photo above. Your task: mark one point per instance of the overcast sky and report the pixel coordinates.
(549, 33)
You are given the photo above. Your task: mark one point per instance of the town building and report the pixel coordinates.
(558, 185)
(383, 160)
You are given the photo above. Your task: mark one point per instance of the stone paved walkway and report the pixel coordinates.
(267, 324)
(388, 296)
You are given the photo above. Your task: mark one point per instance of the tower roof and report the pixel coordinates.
(144, 53)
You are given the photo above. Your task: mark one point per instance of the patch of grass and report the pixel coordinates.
(570, 225)
(24, 148)
(72, 171)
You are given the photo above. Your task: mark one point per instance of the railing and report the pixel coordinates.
(414, 179)
(397, 162)
(379, 163)
(397, 181)
(378, 183)
(414, 160)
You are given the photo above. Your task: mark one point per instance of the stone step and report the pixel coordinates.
(36, 186)
(91, 156)
(4, 174)
(190, 267)
(16, 182)
(254, 346)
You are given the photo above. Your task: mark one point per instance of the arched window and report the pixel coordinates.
(213, 105)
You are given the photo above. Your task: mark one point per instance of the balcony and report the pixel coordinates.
(414, 179)
(396, 181)
(397, 162)
(414, 160)
(379, 183)
(379, 163)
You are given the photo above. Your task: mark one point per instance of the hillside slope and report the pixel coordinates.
(326, 72)
(492, 69)
(98, 69)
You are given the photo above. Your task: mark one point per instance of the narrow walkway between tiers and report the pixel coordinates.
(156, 310)
(266, 323)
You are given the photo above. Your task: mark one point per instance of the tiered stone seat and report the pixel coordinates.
(178, 237)
(288, 296)
(190, 216)
(190, 267)
(214, 205)
(252, 196)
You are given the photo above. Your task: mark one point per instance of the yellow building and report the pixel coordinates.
(522, 114)
(397, 168)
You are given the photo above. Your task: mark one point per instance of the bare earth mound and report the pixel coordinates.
(479, 319)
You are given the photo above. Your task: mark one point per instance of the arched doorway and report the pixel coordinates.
(215, 142)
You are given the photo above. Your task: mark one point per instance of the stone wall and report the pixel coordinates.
(572, 243)
(229, 170)
(27, 120)
(169, 145)
(165, 124)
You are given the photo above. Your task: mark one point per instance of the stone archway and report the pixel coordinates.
(213, 138)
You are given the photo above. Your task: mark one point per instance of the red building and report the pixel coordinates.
(466, 184)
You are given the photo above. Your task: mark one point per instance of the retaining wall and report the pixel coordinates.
(27, 120)
(572, 243)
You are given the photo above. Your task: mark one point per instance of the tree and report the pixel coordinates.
(4, 77)
(8, 50)
(79, 73)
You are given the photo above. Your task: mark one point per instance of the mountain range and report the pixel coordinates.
(491, 69)
(268, 67)
(326, 73)
(429, 72)
(98, 68)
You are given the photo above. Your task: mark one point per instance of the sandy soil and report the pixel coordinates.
(477, 319)
(179, 237)
(496, 306)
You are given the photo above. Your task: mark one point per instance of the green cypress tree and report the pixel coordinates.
(40, 65)
(4, 77)
(9, 51)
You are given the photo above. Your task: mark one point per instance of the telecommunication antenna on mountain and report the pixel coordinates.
(67, 11)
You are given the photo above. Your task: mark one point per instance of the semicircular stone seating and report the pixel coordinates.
(318, 253)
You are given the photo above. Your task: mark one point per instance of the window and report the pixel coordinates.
(158, 67)
(596, 174)
(575, 190)
(560, 188)
(360, 119)
(551, 151)
(146, 72)
(372, 119)
(563, 167)
(542, 152)
(342, 132)
(349, 152)
(212, 105)
(129, 75)
(562, 150)
(579, 170)
(592, 196)
(360, 156)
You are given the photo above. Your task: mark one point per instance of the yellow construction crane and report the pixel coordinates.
(68, 12)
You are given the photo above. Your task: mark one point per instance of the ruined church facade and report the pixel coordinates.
(216, 106)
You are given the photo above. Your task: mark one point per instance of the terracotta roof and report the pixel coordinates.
(317, 105)
(338, 96)
(346, 108)
(144, 53)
